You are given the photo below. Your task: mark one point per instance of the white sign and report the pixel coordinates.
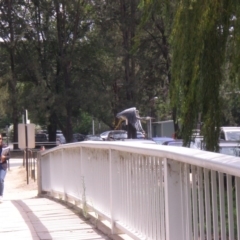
(22, 135)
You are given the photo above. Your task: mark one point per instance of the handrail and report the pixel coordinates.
(210, 160)
(37, 144)
(146, 190)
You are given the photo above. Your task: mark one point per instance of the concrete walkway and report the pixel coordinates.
(24, 216)
(42, 219)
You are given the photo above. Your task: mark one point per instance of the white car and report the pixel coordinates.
(104, 135)
(230, 133)
(114, 135)
(229, 148)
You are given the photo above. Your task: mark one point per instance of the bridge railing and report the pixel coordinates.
(148, 191)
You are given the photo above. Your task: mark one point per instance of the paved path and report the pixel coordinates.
(42, 219)
(23, 216)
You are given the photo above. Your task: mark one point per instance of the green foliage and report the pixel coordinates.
(4, 123)
(103, 57)
(204, 46)
(152, 46)
(83, 123)
(199, 39)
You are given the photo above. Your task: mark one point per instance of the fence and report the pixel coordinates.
(148, 191)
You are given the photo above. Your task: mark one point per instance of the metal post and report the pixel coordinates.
(150, 128)
(7, 133)
(26, 135)
(151, 102)
(93, 130)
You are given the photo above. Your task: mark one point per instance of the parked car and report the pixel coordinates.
(78, 137)
(104, 135)
(93, 138)
(176, 143)
(230, 133)
(140, 135)
(139, 140)
(116, 135)
(119, 134)
(231, 148)
(40, 139)
(161, 140)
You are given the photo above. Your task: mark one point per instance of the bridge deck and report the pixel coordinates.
(24, 216)
(41, 218)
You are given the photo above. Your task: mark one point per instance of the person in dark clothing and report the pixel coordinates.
(3, 167)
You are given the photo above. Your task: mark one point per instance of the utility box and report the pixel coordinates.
(163, 129)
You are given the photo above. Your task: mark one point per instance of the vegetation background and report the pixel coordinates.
(68, 61)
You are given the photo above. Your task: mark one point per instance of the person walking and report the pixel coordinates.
(3, 166)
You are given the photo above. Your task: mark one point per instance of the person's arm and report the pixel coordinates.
(5, 156)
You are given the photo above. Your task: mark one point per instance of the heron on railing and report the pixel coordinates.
(133, 121)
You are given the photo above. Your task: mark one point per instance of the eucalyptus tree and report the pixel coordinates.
(56, 37)
(11, 31)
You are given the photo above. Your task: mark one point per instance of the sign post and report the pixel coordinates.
(26, 138)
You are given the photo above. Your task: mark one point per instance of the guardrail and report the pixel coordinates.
(147, 191)
(47, 144)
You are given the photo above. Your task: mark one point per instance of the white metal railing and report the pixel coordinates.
(148, 191)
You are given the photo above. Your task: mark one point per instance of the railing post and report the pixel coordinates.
(63, 174)
(113, 183)
(39, 173)
(173, 200)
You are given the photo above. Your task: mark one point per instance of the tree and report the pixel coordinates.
(154, 32)
(11, 26)
(204, 48)
(199, 41)
(137, 55)
(55, 34)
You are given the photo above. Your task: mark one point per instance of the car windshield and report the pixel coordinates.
(233, 136)
(104, 133)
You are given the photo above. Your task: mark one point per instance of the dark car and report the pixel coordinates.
(40, 139)
(176, 143)
(78, 137)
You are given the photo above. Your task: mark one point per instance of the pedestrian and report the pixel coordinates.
(3, 166)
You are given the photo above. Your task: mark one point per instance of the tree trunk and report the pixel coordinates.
(12, 82)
